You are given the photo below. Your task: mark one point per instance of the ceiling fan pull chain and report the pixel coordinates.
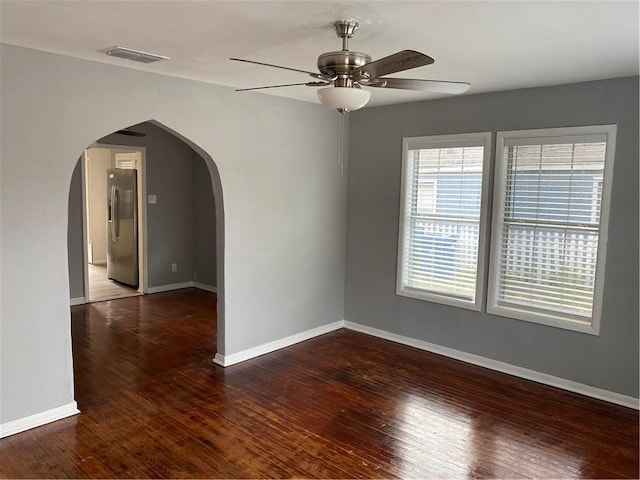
(341, 143)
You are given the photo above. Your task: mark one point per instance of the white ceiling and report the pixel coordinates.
(494, 45)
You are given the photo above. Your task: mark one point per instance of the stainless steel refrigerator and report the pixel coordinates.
(122, 226)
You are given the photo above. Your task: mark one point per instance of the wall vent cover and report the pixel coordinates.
(135, 55)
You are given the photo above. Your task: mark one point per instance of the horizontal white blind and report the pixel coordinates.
(550, 225)
(442, 217)
(127, 160)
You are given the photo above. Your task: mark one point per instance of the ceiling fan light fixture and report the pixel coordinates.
(344, 99)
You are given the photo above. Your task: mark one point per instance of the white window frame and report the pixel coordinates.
(555, 319)
(447, 141)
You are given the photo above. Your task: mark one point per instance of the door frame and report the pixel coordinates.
(143, 261)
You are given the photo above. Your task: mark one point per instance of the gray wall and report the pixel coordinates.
(608, 361)
(280, 207)
(74, 235)
(204, 224)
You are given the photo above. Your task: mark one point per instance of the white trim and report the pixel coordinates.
(78, 301)
(603, 231)
(580, 134)
(203, 286)
(143, 256)
(169, 287)
(533, 315)
(38, 419)
(178, 286)
(227, 360)
(220, 359)
(521, 372)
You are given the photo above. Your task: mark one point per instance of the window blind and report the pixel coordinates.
(127, 160)
(441, 224)
(549, 229)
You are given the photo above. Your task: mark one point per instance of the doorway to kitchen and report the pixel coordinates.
(114, 226)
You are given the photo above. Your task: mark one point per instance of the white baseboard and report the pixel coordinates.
(564, 384)
(169, 287)
(227, 360)
(203, 286)
(78, 301)
(178, 286)
(38, 419)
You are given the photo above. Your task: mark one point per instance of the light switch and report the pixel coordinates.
(153, 199)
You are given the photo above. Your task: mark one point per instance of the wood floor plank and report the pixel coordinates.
(343, 405)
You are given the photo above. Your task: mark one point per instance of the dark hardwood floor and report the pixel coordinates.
(343, 405)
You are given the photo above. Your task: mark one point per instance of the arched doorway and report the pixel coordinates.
(179, 179)
(183, 199)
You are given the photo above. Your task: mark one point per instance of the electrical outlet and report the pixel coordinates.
(195, 275)
(174, 267)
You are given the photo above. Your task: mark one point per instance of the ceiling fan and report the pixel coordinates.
(344, 73)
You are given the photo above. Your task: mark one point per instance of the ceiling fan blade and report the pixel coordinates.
(312, 74)
(308, 84)
(431, 86)
(398, 62)
(131, 133)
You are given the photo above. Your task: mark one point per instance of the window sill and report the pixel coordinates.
(436, 298)
(550, 320)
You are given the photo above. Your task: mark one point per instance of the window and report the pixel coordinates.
(442, 218)
(550, 225)
(128, 160)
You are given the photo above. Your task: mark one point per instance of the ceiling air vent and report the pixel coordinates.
(135, 55)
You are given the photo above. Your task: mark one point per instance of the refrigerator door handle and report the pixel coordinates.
(111, 205)
(115, 217)
(117, 212)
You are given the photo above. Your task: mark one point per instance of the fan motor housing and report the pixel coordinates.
(343, 62)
